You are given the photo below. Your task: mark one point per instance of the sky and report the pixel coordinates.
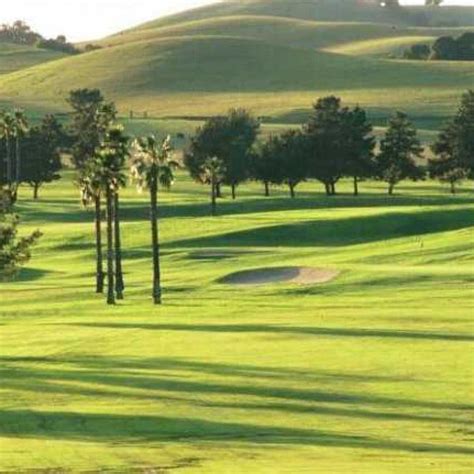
(82, 20)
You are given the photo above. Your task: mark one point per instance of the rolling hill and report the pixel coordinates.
(274, 57)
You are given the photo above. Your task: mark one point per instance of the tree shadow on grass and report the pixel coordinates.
(172, 377)
(288, 330)
(340, 232)
(140, 428)
(58, 211)
(24, 275)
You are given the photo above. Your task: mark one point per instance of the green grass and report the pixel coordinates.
(14, 57)
(371, 373)
(274, 58)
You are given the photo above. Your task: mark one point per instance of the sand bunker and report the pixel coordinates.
(298, 275)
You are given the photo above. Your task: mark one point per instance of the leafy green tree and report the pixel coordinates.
(14, 251)
(287, 154)
(463, 130)
(399, 150)
(359, 143)
(264, 165)
(419, 51)
(454, 147)
(229, 139)
(41, 154)
(327, 152)
(152, 166)
(91, 118)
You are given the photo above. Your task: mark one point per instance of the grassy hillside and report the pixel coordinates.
(371, 373)
(274, 58)
(326, 10)
(15, 57)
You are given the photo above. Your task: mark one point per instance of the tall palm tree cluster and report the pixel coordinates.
(13, 126)
(103, 173)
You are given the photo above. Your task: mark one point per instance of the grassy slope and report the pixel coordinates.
(15, 57)
(205, 61)
(371, 373)
(202, 75)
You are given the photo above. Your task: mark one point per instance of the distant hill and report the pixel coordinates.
(274, 57)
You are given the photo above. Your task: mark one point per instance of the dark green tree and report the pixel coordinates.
(14, 250)
(41, 154)
(229, 139)
(399, 150)
(327, 152)
(359, 142)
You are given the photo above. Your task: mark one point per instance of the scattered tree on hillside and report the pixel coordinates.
(433, 3)
(41, 154)
(399, 150)
(152, 166)
(420, 52)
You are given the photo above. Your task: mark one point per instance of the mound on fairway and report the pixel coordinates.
(299, 275)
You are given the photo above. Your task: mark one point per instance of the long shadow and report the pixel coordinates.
(71, 212)
(340, 232)
(290, 330)
(113, 375)
(139, 428)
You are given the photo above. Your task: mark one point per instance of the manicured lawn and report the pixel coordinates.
(370, 373)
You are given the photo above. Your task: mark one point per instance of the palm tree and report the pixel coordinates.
(152, 166)
(20, 128)
(213, 170)
(108, 164)
(90, 186)
(7, 130)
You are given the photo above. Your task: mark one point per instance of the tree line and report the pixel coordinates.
(335, 142)
(445, 48)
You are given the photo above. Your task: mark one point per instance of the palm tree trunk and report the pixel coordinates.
(110, 247)
(356, 186)
(218, 190)
(18, 160)
(267, 189)
(119, 283)
(214, 190)
(155, 242)
(98, 245)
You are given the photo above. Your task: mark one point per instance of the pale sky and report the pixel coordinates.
(83, 20)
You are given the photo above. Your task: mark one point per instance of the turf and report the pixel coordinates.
(274, 58)
(370, 373)
(15, 57)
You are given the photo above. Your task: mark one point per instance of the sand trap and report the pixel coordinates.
(298, 275)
